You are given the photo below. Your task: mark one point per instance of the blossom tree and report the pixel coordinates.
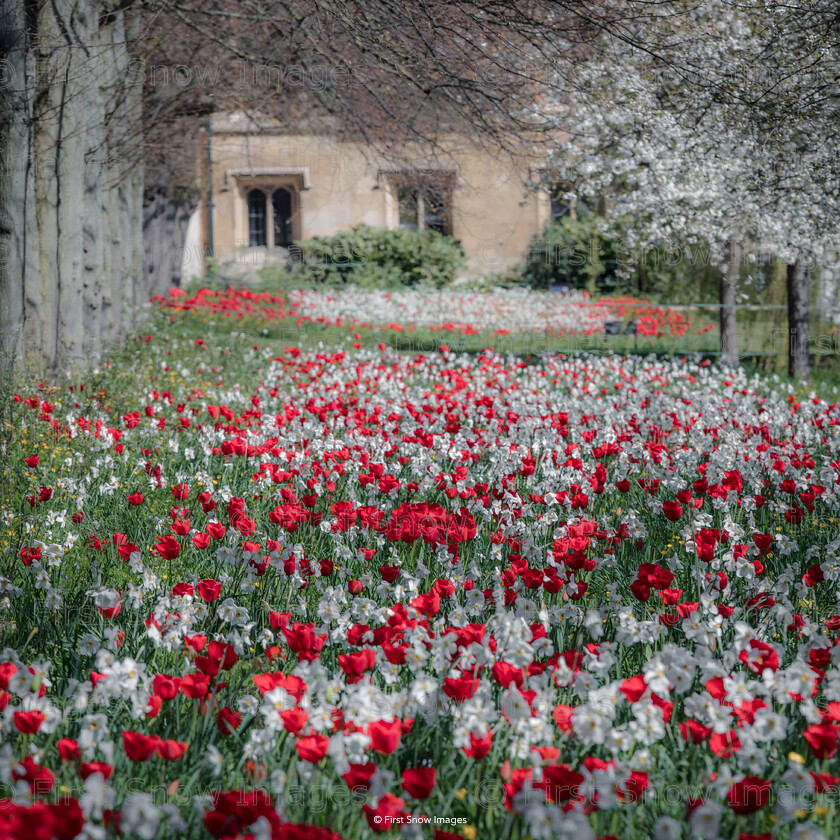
(722, 132)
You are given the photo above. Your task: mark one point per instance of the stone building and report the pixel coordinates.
(271, 188)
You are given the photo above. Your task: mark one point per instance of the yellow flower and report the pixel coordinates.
(469, 832)
(794, 756)
(461, 793)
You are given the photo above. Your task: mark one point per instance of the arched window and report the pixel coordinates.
(256, 219)
(282, 205)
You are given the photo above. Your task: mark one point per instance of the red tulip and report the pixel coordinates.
(216, 530)
(725, 745)
(227, 721)
(419, 782)
(88, 768)
(389, 812)
(166, 687)
(303, 640)
(355, 664)
(28, 723)
(201, 540)
(479, 747)
(672, 510)
(359, 776)
(389, 573)
(222, 653)
(195, 686)
(39, 778)
(68, 749)
(153, 706)
(196, 642)
(694, 732)
(633, 688)
(209, 589)
(294, 719)
(460, 688)
(749, 795)
(563, 717)
(761, 658)
(168, 547)
(171, 750)
(245, 525)
(384, 736)
(560, 783)
(181, 527)
(822, 739)
(140, 747)
(312, 748)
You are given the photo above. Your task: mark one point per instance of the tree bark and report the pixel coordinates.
(17, 257)
(165, 221)
(798, 294)
(67, 106)
(728, 290)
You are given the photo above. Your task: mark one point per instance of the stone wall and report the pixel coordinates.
(339, 184)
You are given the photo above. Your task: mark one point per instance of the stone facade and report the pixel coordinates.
(272, 188)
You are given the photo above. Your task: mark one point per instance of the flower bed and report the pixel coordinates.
(436, 593)
(489, 314)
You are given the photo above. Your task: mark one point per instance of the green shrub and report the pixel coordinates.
(585, 253)
(573, 253)
(368, 256)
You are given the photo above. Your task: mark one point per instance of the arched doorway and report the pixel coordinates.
(256, 219)
(282, 205)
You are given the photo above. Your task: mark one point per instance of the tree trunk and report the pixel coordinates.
(17, 258)
(165, 223)
(728, 290)
(67, 107)
(798, 293)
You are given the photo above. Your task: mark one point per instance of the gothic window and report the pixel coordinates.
(282, 206)
(256, 219)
